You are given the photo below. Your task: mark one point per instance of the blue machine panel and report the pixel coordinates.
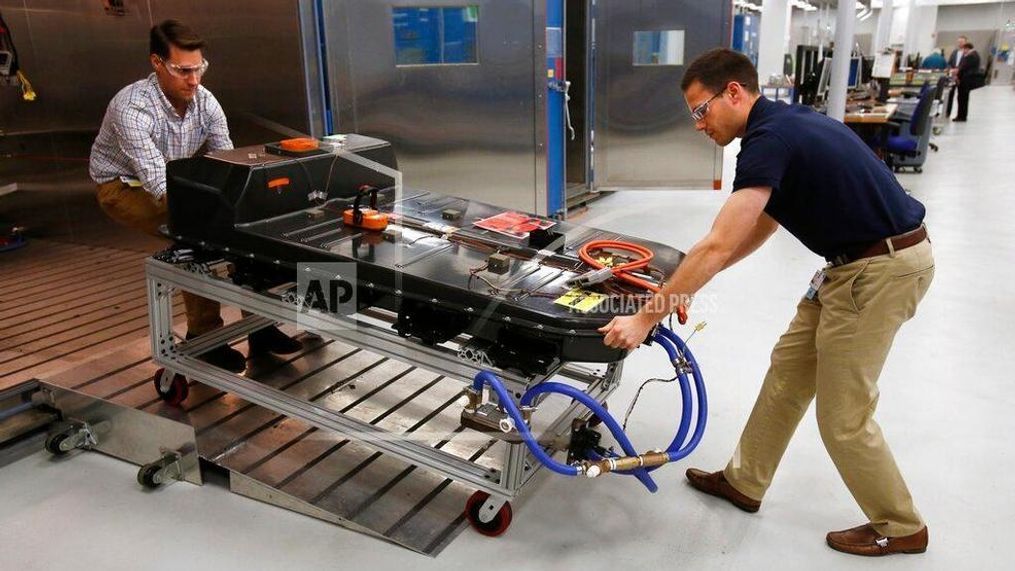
(745, 35)
(556, 167)
(434, 36)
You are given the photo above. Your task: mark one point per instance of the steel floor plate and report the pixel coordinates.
(286, 462)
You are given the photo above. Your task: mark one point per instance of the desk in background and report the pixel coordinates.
(878, 115)
(915, 79)
(872, 125)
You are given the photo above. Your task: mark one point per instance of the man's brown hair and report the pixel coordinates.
(173, 32)
(717, 67)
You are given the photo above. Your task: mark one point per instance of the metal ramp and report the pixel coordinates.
(285, 462)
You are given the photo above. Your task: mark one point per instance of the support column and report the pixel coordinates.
(845, 22)
(772, 44)
(881, 37)
(919, 32)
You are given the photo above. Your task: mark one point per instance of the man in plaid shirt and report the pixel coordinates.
(167, 116)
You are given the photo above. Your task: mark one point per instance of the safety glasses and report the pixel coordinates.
(181, 72)
(699, 112)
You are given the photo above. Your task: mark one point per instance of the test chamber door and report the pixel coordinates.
(458, 87)
(642, 135)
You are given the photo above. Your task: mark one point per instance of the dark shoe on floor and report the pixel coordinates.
(272, 340)
(224, 357)
(715, 484)
(863, 540)
(959, 120)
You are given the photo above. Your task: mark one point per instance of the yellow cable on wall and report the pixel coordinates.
(27, 93)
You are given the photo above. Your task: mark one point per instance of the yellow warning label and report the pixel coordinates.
(583, 301)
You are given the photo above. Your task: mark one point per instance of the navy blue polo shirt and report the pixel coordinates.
(829, 189)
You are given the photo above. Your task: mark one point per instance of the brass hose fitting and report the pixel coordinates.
(475, 399)
(650, 459)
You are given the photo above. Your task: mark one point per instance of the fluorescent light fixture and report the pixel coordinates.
(747, 5)
(803, 5)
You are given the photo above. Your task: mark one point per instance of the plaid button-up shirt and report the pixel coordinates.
(141, 132)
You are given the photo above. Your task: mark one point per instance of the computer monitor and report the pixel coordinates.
(855, 73)
(867, 71)
(853, 81)
(825, 68)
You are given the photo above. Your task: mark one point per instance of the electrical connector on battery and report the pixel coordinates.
(175, 255)
(498, 264)
(591, 278)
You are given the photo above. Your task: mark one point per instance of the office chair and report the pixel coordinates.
(908, 146)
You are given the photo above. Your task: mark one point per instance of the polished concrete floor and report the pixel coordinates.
(946, 403)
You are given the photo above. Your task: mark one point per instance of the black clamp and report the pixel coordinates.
(357, 214)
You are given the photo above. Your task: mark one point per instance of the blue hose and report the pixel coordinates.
(675, 453)
(675, 349)
(488, 378)
(598, 410)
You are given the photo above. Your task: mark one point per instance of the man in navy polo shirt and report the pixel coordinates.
(816, 178)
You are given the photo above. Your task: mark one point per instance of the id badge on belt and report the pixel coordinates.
(816, 281)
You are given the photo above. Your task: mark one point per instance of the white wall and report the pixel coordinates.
(921, 35)
(977, 21)
(975, 16)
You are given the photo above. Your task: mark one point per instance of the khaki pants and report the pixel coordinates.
(137, 209)
(833, 353)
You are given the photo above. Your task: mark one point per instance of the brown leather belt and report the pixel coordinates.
(880, 248)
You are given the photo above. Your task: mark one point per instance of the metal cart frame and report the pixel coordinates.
(367, 331)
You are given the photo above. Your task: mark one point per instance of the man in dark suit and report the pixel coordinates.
(953, 64)
(956, 57)
(968, 76)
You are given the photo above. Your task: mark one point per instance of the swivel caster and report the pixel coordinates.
(149, 477)
(918, 169)
(172, 388)
(486, 515)
(164, 470)
(73, 436)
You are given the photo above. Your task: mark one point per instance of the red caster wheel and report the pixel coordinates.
(496, 526)
(177, 387)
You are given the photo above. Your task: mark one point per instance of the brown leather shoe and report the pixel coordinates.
(863, 540)
(715, 484)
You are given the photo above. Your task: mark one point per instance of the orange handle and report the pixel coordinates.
(682, 314)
